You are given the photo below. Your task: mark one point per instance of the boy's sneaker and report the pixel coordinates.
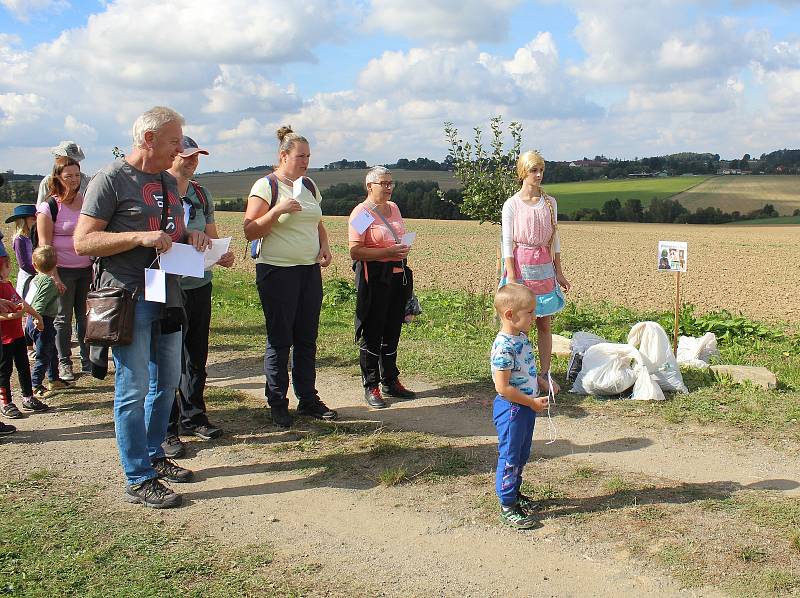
(56, 384)
(171, 471)
(281, 417)
(373, 398)
(206, 432)
(316, 408)
(516, 517)
(6, 429)
(173, 447)
(152, 493)
(34, 404)
(397, 391)
(65, 372)
(10, 411)
(527, 503)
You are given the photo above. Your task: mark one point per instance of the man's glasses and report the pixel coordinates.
(190, 205)
(385, 184)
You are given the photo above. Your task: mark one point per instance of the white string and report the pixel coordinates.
(552, 431)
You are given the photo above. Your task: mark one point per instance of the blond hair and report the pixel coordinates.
(44, 258)
(21, 227)
(287, 139)
(527, 162)
(513, 296)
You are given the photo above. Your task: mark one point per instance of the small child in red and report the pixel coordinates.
(14, 350)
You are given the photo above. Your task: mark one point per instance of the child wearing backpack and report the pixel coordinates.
(14, 351)
(516, 404)
(45, 302)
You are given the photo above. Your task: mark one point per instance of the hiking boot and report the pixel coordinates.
(171, 471)
(6, 429)
(34, 404)
(516, 517)
(206, 432)
(152, 493)
(316, 408)
(56, 384)
(373, 398)
(40, 392)
(281, 417)
(173, 447)
(65, 372)
(10, 411)
(528, 504)
(397, 391)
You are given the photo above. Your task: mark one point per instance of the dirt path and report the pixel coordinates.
(360, 538)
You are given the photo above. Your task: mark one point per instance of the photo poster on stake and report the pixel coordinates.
(672, 256)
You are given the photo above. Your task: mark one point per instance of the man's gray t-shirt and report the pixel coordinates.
(130, 201)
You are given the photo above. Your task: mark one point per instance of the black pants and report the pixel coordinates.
(13, 354)
(291, 297)
(189, 408)
(381, 332)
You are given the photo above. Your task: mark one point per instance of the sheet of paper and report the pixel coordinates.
(182, 259)
(218, 247)
(362, 221)
(155, 285)
(408, 239)
(297, 188)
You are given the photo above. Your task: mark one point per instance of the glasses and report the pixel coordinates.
(385, 184)
(190, 205)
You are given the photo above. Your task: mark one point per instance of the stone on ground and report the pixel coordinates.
(760, 376)
(561, 346)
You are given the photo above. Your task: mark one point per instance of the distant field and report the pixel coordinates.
(780, 221)
(745, 193)
(593, 194)
(238, 184)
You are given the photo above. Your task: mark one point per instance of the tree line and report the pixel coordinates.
(665, 210)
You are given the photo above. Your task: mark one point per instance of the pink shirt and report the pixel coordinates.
(63, 229)
(377, 234)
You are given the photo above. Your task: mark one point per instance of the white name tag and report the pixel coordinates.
(362, 221)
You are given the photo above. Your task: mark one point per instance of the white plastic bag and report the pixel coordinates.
(697, 351)
(608, 369)
(654, 345)
(579, 343)
(646, 388)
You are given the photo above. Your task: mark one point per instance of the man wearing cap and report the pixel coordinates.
(68, 149)
(131, 212)
(189, 410)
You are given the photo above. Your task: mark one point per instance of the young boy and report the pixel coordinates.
(516, 404)
(44, 301)
(15, 350)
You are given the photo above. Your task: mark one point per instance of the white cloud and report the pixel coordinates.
(443, 21)
(77, 129)
(24, 9)
(237, 90)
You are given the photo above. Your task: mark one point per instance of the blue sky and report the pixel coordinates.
(375, 79)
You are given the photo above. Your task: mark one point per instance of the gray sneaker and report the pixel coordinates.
(65, 372)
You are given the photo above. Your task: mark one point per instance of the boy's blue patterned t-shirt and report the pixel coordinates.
(515, 353)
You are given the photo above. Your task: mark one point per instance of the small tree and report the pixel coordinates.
(488, 175)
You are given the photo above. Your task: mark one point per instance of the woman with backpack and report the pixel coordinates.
(284, 221)
(55, 224)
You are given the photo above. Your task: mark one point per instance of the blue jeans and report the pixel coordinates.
(514, 423)
(46, 356)
(147, 374)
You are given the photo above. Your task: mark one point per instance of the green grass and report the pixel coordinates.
(466, 321)
(779, 221)
(593, 194)
(57, 543)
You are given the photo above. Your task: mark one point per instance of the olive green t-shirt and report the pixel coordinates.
(294, 238)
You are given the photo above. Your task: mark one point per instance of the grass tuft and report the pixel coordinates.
(392, 476)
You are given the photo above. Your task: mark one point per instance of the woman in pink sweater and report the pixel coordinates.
(532, 252)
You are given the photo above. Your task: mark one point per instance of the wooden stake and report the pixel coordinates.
(677, 313)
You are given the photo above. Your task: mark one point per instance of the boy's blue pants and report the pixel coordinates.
(514, 423)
